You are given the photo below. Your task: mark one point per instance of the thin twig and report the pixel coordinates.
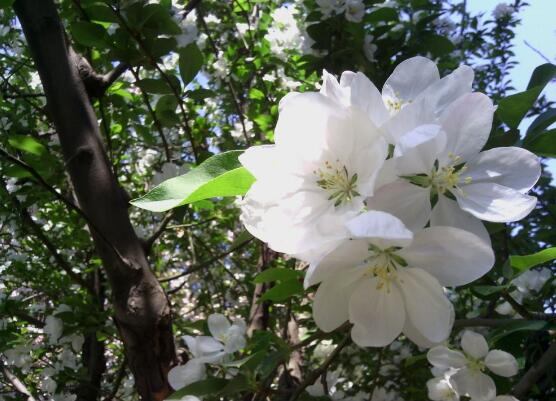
(314, 375)
(158, 232)
(530, 46)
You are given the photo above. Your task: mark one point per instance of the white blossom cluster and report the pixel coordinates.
(383, 194)
(353, 10)
(226, 338)
(460, 373)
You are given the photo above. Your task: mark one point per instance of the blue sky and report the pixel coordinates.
(538, 28)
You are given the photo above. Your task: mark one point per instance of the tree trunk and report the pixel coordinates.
(142, 310)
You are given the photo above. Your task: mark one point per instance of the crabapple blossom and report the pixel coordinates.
(385, 280)
(445, 160)
(322, 167)
(442, 389)
(469, 378)
(225, 339)
(355, 10)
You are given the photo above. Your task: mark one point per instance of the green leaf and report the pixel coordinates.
(283, 291)
(256, 94)
(27, 144)
(154, 86)
(542, 122)
(165, 110)
(488, 290)
(212, 385)
(542, 75)
(513, 327)
(544, 144)
(6, 3)
(512, 109)
(526, 262)
(414, 359)
(277, 274)
(436, 44)
(88, 34)
(219, 175)
(200, 94)
(191, 61)
(382, 14)
(236, 385)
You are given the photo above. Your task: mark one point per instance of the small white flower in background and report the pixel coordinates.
(167, 171)
(369, 48)
(386, 280)
(226, 339)
(19, 356)
(355, 10)
(331, 7)
(46, 382)
(532, 280)
(505, 398)
(53, 328)
(189, 398)
(64, 397)
(502, 10)
(189, 29)
(469, 378)
(381, 394)
(317, 388)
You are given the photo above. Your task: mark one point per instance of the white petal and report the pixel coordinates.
(416, 151)
(440, 389)
(407, 119)
(207, 345)
(218, 325)
(378, 226)
(496, 203)
(348, 254)
(467, 123)
(416, 337)
(410, 78)
(445, 91)
(477, 385)
(183, 375)
(330, 305)
(501, 363)
(379, 310)
(427, 307)
(332, 89)
(235, 340)
(261, 161)
(410, 203)
(474, 344)
(455, 257)
(447, 212)
(511, 167)
(443, 357)
(505, 398)
(366, 96)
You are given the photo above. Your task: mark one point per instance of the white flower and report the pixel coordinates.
(189, 29)
(471, 363)
(381, 394)
(442, 389)
(532, 280)
(168, 170)
(53, 328)
(317, 388)
(445, 159)
(505, 398)
(183, 375)
(226, 339)
(355, 10)
(369, 48)
(413, 95)
(19, 356)
(502, 10)
(386, 280)
(329, 7)
(323, 165)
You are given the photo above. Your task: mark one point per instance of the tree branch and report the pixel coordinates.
(141, 309)
(15, 382)
(521, 389)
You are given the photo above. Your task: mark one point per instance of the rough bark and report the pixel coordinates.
(142, 311)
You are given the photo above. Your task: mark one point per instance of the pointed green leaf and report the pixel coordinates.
(191, 61)
(526, 262)
(27, 144)
(220, 175)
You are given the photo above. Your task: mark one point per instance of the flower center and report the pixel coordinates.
(383, 264)
(476, 365)
(338, 182)
(448, 178)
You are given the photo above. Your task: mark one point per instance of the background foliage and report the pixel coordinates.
(202, 78)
